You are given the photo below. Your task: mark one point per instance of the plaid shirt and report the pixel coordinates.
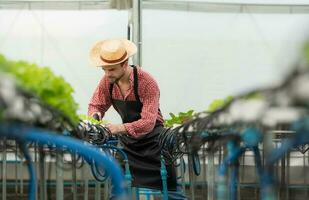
(149, 95)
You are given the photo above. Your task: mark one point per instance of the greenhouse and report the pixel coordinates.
(154, 99)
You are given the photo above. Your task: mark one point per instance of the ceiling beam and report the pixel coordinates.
(223, 7)
(55, 4)
(195, 6)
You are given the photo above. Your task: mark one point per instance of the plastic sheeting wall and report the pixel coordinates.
(196, 57)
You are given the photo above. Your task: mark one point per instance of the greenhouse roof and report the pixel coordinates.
(253, 6)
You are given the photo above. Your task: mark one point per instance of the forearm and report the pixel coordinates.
(117, 128)
(140, 127)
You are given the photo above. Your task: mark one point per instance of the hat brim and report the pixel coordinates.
(95, 53)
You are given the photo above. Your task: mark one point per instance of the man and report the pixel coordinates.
(135, 96)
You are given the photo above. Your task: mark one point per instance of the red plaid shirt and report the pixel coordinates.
(149, 95)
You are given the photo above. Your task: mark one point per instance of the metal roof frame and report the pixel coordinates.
(195, 6)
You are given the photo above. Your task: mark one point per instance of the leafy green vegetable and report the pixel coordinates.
(180, 119)
(51, 89)
(92, 120)
(219, 103)
(306, 52)
(1, 115)
(255, 95)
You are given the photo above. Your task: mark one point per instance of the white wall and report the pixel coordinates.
(196, 57)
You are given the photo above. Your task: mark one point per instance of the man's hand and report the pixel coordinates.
(97, 116)
(116, 128)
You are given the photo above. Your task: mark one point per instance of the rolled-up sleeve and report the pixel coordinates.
(100, 100)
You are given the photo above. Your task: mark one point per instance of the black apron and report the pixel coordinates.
(143, 152)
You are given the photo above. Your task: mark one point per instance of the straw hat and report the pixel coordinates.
(111, 52)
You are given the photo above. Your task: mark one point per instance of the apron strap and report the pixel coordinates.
(111, 91)
(136, 84)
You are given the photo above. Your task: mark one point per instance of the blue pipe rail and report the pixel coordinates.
(164, 178)
(301, 128)
(24, 134)
(128, 177)
(31, 170)
(251, 138)
(234, 152)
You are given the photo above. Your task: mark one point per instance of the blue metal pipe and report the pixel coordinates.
(301, 137)
(89, 152)
(258, 161)
(164, 178)
(128, 176)
(31, 170)
(233, 154)
(234, 183)
(251, 138)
